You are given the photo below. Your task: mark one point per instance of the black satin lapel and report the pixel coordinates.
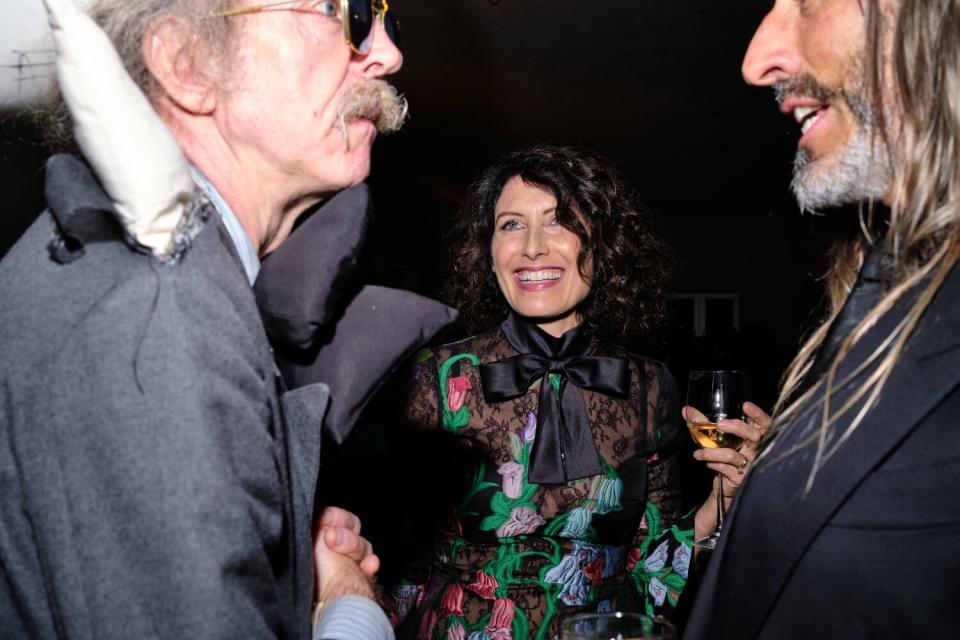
(765, 554)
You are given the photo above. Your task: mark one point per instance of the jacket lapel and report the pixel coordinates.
(756, 558)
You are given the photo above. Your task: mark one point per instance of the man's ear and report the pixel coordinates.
(178, 60)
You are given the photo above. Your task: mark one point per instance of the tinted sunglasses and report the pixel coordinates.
(356, 16)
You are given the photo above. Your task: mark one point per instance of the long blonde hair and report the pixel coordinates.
(918, 89)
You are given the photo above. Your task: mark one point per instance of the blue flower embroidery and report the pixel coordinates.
(681, 561)
(564, 572)
(657, 590)
(575, 593)
(658, 559)
(577, 523)
(608, 497)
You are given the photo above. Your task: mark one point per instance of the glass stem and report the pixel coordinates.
(719, 506)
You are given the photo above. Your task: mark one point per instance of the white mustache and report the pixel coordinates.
(374, 100)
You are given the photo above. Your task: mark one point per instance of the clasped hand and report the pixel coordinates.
(345, 562)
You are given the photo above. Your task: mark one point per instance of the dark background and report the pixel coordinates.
(656, 86)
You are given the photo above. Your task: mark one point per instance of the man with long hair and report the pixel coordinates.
(848, 524)
(155, 482)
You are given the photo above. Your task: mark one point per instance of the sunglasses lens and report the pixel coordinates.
(361, 24)
(392, 26)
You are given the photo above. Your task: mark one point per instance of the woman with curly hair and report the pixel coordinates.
(573, 502)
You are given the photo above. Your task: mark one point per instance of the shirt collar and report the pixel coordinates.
(241, 241)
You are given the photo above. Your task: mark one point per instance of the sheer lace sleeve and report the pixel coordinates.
(422, 406)
(660, 555)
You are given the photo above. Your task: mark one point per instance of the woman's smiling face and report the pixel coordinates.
(535, 258)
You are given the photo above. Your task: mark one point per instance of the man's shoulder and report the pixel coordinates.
(56, 287)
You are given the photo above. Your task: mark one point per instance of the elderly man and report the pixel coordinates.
(148, 483)
(848, 525)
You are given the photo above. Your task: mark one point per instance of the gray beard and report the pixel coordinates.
(858, 172)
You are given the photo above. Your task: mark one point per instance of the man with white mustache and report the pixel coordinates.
(147, 451)
(847, 524)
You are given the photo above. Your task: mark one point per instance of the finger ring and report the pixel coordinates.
(742, 465)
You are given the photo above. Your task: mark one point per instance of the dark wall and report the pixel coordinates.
(21, 177)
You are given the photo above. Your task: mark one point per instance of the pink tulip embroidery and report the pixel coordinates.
(483, 585)
(456, 632)
(500, 626)
(457, 392)
(452, 602)
(522, 520)
(512, 479)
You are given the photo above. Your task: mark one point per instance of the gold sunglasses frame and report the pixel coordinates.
(379, 8)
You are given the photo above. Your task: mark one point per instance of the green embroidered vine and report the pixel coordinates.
(454, 420)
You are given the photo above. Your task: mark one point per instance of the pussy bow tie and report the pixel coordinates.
(563, 449)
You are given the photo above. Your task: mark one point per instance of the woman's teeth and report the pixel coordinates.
(537, 276)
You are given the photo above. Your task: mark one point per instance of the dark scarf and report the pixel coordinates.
(564, 449)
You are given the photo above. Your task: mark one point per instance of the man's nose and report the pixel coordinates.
(772, 55)
(384, 58)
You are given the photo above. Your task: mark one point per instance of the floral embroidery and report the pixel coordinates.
(534, 552)
(681, 561)
(530, 428)
(578, 521)
(500, 626)
(569, 575)
(452, 602)
(455, 419)
(404, 597)
(522, 520)
(457, 392)
(456, 632)
(663, 581)
(512, 479)
(608, 496)
(594, 571)
(483, 585)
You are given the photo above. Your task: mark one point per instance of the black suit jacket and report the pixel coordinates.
(872, 550)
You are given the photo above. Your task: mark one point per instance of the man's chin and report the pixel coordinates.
(853, 175)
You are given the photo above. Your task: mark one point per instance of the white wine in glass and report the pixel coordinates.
(709, 436)
(716, 395)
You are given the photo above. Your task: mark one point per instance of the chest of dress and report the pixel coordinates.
(503, 503)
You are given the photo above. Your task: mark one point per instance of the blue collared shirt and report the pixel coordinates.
(241, 241)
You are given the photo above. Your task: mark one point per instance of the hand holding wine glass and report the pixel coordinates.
(716, 414)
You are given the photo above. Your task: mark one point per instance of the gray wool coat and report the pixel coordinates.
(154, 481)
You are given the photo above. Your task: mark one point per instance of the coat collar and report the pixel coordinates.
(755, 560)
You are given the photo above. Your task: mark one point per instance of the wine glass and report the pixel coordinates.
(616, 626)
(715, 395)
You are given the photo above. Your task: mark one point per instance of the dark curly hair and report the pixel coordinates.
(594, 201)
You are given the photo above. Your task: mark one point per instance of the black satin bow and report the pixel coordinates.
(564, 449)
